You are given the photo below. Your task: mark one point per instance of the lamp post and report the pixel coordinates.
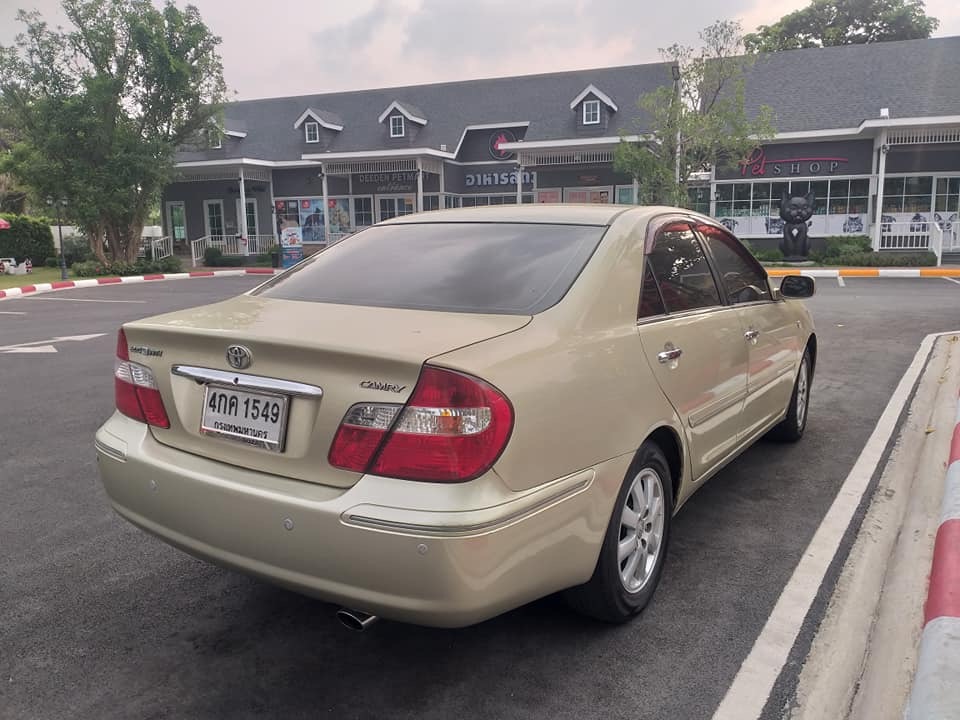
(59, 204)
(675, 71)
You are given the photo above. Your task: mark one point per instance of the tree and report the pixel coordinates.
(99, 110)
(825, 23)
(697, 122)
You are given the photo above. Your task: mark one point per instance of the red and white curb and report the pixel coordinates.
(936, 684)
(852, 272)
(93, 282)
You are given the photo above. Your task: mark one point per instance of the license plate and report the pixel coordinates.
(254, 418)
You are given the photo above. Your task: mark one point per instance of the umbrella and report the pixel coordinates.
(4, 225)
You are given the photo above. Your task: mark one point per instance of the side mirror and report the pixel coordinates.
(797, 287)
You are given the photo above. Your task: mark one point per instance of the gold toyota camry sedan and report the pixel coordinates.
(448, 415)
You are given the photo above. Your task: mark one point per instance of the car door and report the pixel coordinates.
(694, 345)
(769, 334)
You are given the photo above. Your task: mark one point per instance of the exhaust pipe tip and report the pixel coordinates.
(355, 619)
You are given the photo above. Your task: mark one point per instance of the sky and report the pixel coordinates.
(299, 47)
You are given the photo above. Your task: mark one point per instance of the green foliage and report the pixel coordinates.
(212, 256)
(838, 245)
(773, 255)
(28, 237)
(825, 23)
(95, 268)
(96, 111)
(883, 259)
(76, 251)
(699, 120)
(52, 262)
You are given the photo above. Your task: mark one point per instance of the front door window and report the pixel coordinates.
(177, 221)
(251, 216)
(213, 215)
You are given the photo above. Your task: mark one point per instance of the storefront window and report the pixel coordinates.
(725, 200)
(761, 199)
(741, 199)
(907, 195)
(859, 196)
(431, 202)
(484, 200)
(362, 212)
(948, 195)
(451, 201)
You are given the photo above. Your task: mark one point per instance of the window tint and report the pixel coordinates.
(682, 271)
(651, 304)
(742, 278)
(501, 268)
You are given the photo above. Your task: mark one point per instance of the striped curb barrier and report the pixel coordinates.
(936, 684)
(128, 279)
(923, 272)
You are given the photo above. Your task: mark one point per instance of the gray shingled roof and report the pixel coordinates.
(840, 87)
(543, 100)
(813, 89)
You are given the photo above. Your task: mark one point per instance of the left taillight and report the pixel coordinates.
(137, 393)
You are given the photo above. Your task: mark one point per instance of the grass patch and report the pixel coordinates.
(39, 275)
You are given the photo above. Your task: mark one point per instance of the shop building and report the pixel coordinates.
(873, 131)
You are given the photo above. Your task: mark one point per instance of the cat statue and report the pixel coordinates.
(796, 211)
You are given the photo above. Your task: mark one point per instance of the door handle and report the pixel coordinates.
(669, 355)
(751, 335)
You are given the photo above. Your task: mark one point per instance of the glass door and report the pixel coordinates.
(251, 216)
(177, 222)
(213, 217)
(395, 206)
(946, 211)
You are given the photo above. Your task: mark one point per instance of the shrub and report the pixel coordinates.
(837, 245)
(52, 262)
(171, 264)
(884, 259)
(89, 268)
(76, 251)
(231, 261)
(774, 255)
(28, 237)
(212, 256)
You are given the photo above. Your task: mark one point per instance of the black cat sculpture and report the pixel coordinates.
(795, 210)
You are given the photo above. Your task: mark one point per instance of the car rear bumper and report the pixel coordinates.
(428, 566)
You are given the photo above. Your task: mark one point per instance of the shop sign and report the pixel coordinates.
(498, 178)
(757, 164)
(388, 182)
(497, 139)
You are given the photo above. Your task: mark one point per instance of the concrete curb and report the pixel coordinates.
(93, 282)
(936, 692)
(923, 272)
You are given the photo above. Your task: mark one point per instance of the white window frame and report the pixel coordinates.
(593, 105)
(256, 217)
(169, 215)
(206, 217)
(214, 138)
(315, 128)
(403, 128)
(353, 211)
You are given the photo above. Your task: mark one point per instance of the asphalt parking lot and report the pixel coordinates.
(98, 620)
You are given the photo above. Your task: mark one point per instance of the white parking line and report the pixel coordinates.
(63, 299)
(840, 281)
(12, 313)
(751, 687)
(953, 280)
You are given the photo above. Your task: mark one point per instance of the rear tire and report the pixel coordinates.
(635, 545)
(791, 428)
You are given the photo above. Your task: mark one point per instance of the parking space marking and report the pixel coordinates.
(953, 280)
(750, 689)
(840, 281)
(63, 299)
(12, 313)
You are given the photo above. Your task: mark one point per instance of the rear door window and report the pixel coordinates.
(743, 278)
(682, 271)
(497, 268)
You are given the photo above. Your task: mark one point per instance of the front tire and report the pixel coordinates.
(635, 545)
(791, 428)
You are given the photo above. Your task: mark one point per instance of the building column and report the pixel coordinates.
(636, 191)
(273, 212)
(519, 182)
(419, 185)
(878, 210)
(243, 215)
(442, 204)
(326, 206)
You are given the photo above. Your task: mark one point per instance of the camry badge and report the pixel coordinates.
(239, 357)
(379, 385)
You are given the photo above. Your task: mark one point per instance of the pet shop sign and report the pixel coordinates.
(757, 164)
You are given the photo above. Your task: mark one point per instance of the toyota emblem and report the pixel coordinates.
(239, 357)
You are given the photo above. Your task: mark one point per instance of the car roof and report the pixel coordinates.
(552, 213)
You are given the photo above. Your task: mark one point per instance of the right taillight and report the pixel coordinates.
(452, 429)
(137, 393)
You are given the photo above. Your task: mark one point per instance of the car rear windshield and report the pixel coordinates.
(496, 268)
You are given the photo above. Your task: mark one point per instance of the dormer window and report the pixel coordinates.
(396, 126)
(591, 112)
(312, 132)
